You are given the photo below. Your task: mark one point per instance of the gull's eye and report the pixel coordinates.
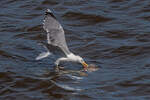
(82, 60)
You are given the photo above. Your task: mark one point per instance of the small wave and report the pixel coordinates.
(67, 87)
(74, 77)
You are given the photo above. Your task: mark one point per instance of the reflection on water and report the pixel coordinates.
(113, 34)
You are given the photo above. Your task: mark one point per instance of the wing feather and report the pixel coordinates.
(55, 32)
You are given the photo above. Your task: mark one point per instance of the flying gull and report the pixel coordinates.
(56, 39)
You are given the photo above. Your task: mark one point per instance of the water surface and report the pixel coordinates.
(113, 34)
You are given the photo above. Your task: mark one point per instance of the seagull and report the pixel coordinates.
(56, 39)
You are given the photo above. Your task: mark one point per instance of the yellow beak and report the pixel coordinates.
(85, 65)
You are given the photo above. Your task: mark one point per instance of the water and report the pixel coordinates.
(113, 34)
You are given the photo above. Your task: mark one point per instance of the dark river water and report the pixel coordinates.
(113, 34)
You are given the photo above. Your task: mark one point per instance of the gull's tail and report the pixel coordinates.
(43, 54)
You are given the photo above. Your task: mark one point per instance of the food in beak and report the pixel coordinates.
(85, 65)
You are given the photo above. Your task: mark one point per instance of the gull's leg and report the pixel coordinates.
(58, 61)
(57, 65)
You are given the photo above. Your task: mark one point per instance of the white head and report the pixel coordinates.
(80, 60)
(77, 58)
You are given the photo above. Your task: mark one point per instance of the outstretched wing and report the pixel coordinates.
(55, 32)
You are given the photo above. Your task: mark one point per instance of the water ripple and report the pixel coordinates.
(113, 34)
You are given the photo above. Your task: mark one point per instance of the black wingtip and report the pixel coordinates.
(49, 12)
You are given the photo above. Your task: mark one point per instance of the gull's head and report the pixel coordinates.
(80, 60)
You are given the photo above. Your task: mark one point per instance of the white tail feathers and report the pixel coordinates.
(43, 55)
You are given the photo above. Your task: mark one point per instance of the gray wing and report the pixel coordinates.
(55, 32)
